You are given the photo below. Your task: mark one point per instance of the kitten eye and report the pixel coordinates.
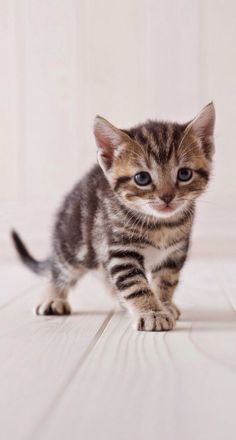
(184, 174)
(143, 178)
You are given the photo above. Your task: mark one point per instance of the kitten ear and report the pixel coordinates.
(108, 139)
(203, 124)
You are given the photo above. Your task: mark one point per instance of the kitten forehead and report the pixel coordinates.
(159, 139)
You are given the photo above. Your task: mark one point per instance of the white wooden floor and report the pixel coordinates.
(91, 375)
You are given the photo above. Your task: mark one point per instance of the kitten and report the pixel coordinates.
(131, 216)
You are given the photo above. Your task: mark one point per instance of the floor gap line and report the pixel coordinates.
(52, 407)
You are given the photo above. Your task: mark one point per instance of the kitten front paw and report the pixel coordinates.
(53, 307)
(154, 321)
(173, 310)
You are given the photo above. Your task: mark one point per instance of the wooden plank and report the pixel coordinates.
(52, 142)
(33, 220)
(14, 281)
(226, 276)
(176, 385)
(39, 356)
(166, 53)
(9, 132)
(216, 62)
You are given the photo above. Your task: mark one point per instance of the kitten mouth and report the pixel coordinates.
(166, 209)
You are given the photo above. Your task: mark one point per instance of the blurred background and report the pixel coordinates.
(64, 61)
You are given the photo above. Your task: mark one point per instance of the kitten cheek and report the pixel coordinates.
(130, 198)
(132, 201)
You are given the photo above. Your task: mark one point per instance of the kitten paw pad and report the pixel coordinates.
(155, 322)
(55, 307)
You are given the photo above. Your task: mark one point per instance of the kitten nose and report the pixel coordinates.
(166, 197)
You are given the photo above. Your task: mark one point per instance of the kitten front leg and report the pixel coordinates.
(164, 282)
(126, 271)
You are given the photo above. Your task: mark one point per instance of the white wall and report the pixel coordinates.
(63, 61)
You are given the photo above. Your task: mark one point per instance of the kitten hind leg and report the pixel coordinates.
(54, 301)
(55, 298)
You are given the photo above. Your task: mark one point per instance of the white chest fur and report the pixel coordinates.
(154, 257)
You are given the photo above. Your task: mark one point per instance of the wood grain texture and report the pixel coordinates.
(40, 357)
(92, 375)
(9, 125)
(14, 281)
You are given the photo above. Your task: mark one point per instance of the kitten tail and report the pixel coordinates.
(38, 267)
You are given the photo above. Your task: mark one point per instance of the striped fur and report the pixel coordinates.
(107, 222)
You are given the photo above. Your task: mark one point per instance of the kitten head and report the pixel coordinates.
(157, 168)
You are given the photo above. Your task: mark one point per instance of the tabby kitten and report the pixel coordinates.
(131, 216)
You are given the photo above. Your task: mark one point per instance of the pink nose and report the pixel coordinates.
(166, 197)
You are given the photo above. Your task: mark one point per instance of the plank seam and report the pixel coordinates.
(52, 407)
